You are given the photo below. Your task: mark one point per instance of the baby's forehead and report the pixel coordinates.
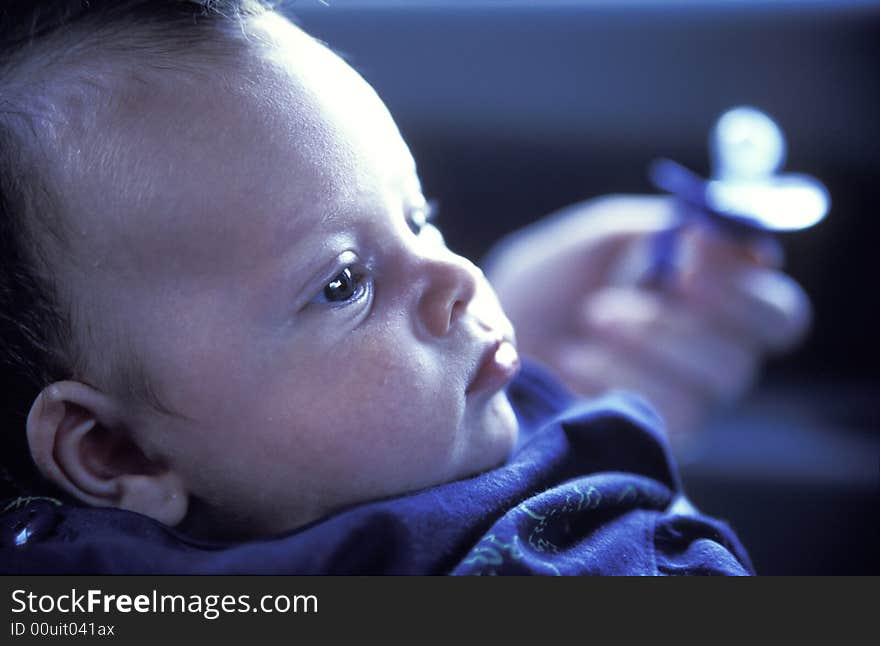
(287, 129)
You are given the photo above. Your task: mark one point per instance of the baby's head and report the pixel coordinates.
(222, 283)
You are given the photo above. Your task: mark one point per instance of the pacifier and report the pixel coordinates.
(747, 196)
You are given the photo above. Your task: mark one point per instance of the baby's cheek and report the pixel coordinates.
(376, 416)
(401, 423)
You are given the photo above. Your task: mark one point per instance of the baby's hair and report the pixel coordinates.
(44, 45)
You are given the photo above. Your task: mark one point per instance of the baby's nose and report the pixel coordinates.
(451, 282)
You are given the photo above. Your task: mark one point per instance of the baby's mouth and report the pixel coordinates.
(499, 364)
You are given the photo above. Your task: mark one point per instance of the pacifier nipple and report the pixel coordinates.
(746, 145)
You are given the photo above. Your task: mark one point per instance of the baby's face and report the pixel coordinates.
(263, 255)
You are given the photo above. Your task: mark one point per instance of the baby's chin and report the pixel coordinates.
(492, 434)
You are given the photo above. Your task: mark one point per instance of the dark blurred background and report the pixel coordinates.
(514, 109)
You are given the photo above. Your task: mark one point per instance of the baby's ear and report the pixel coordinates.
(80, 442)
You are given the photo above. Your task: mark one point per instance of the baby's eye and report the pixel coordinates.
(347, 285)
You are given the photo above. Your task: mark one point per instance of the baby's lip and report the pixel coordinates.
(499, 363)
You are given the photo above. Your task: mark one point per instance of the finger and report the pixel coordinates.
(593, 370)
(764, 305)
(578, 246)
(622, 226)
(671, 339)
(695, 247)
(596, 232)
(709, 247)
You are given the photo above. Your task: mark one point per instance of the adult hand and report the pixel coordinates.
(687, 348)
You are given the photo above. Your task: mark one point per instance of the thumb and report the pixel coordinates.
(616, 238)
(586, 241)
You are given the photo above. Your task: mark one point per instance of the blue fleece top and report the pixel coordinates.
(590, 489)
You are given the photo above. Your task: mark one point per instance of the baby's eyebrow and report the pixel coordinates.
(432, 210)
(423, 212)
